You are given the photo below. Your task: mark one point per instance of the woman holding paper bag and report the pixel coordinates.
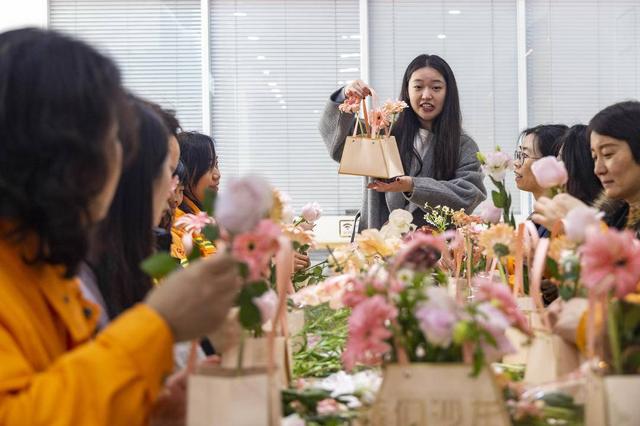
(439, 160)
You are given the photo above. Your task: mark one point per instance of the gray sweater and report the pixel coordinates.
(465, 191)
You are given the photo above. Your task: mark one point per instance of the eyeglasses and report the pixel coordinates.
(520, 155)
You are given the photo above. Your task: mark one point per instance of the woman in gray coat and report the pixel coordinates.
(439, 159)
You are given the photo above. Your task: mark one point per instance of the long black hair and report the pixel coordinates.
(576, 155)
(548, 138)
(198, 155)
(619, 121)
(447, 126)
(125, 238)
(59, 99)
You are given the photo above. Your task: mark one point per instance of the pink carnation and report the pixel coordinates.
(422, 251)
(614, 254)
(500, 296)
(368, 333)
(438, 316)
(494, 321)
(256, 248)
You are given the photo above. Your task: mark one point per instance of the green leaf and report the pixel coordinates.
(501, 250)
(243, 270)
(497, 199)
(552, 267)
(211, 232)
(195, 253)
(209, 201)
(631, 318)
(159, 265)
(565, 292)
(249, 313)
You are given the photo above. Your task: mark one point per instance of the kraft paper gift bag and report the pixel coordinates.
(371, 155)
(550, 357)
(220, 396)
(612, 400)
(426, 394)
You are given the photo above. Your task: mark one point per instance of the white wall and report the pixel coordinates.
(22, 13)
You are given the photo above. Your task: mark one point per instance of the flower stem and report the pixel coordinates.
(503, 274)
(360, 125)
(240, 353)
(614, 338)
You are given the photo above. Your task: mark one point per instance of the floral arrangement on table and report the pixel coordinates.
(334, 400)
(495, 165)
(239, 219)
(610, 271)
(538, 405)
(401, 309)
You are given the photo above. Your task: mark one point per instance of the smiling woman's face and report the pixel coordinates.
(616, 168)
(427, 94)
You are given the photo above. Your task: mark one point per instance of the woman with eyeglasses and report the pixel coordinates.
(536, 142)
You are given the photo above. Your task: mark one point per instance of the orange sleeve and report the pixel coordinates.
(581, 333)
(112, 380)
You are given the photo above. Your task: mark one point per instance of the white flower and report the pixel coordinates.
(406, 275)
(400, 220)
(496, 164)
(363, 385)
(293, 420)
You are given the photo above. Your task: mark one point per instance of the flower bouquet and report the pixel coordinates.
(405, 319)
(373, 152)
(610, 270)
(250, 374)
(495, 165)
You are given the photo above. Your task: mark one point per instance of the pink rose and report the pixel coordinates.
(549, 172)
(243, 203)
(488, 212)
(267, 304)
(579, 220)
(311, 212)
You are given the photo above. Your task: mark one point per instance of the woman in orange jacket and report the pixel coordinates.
(63, 139)
(198, 155)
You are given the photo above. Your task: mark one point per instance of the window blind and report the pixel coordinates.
(273, 66)
(156, 43)
(477, 38)
(583, 55)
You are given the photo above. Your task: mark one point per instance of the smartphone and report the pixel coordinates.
(390, 180)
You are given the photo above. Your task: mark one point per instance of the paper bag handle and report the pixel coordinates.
(539, 261)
